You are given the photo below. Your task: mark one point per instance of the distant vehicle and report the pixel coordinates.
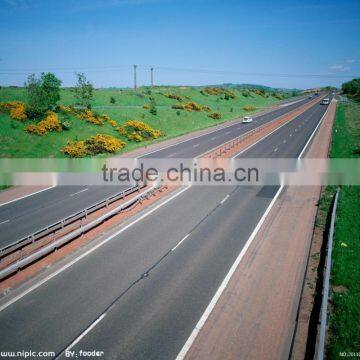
(247, 119)
(310, 97)
(316, 93)
(325, 101)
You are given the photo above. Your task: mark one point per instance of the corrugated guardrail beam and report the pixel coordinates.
(326, 286)
(68, 220)
(63, 240)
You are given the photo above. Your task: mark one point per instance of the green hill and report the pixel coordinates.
(122, 105)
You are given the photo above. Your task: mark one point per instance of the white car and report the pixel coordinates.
(247, 119)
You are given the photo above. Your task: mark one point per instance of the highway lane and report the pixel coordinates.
(197, 146)
(162, 308)
(154, 318)
(23, 217)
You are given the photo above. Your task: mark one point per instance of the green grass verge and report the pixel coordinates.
(345, 276)
(15, 142)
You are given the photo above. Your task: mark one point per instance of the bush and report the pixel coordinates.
(228, 94)
(50, 123)
(215, 115)
(112, 100)
(34, 129)
(16, 110)
(249, 108)
(90, 117)
(153, 109)
(65, 109)
(43, 93)
(101, 143)
(121, 130)
(173, 96)
(138, 131)
(192, 106)
(75, 149)
(206, 108)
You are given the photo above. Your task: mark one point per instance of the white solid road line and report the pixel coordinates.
(227, 278)
(83, 334)
(313, 133)
(79, 192)
(52, 275)
(25, 196)
(4, 222)
(224, 283)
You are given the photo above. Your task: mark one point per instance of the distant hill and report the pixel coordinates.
(256, 86)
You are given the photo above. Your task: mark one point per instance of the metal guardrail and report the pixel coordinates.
(66, 238)
(66, 221)
(326, 285)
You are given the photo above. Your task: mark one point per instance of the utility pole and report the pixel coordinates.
(135, 85)
(152, 76)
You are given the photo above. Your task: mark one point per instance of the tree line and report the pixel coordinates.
(352, 89)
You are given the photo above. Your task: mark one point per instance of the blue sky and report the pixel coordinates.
(103, 38)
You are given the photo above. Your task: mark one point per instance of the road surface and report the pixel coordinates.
(139, 295)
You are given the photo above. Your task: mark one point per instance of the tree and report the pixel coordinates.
(112, 100)
(153, 109)
(83, 90)
(42, 92)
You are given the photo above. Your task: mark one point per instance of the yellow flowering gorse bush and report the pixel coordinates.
(101, 143)
(174, 96)
(249, 108)
(50, 123)
(138, 131)
(189, 106)
(90, 117)
(75, 149)
(215, 115)
(16, 109)
(97, 144)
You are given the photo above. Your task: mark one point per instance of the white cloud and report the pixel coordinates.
(350, 61)
(339, 67)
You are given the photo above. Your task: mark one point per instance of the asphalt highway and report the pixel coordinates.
(25, 216)
(140, 295)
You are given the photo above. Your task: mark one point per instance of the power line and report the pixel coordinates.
(173, 69)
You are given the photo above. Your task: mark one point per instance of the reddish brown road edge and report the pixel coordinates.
(18, 192)
(255, 316)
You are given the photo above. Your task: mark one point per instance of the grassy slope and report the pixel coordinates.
(14, 142)
(344, 321)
